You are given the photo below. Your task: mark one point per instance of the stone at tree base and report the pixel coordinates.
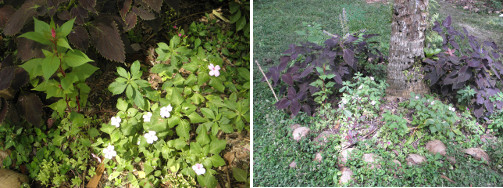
(10, 179)
(415, 159)
(372, 159)
(397, 163)
(323, 137)
(452, 160)
(345, 154)
(293, 164)
(346, 176)
(477, 153)
(300, 133)
(436, 146)
(294, 126)
(318, 157)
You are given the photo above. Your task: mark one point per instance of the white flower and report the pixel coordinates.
(373, 103)
(501, 15)
(147, 116)
(432, 102)
(344, 101)
(372, 78)
(138, 143)
(150, 136)
(116, 121)
(214, 70)
(109, 152)
(361, 86)
(199, 169)
(452, 109)
(417, 97)
(165, 111)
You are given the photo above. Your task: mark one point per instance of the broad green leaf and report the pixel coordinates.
(244, 73)
(175, 40)
(37, 37)
(129, 91)
(135, 70)
(241, 23)
(180, 143)
(217, 84)
(216, 146)
(66, 28)
(192, 66)
(207, 180)
(117, 88)
(196, 118)
(122, 105)
(202, 78)
(182, 130)
(41, 26)
(139, 100)
(128, 129)
(68, 81)
(33, 67)
(115, 136)
(93, 132)
(122, 72)
(75, 58)
(239, 174)
(84, 71)
(202, 137)
(63, 43)
(191, 80)
(235, 17)
(49, 66)
(208, 113)
(173, 120)
(59, 107)
(217, 161)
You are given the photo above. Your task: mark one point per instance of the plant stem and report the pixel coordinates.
(267, 80)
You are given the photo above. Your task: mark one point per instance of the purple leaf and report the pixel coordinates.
(144, 14)
(6, 77)
(106, 39)
(31, 108)
(79, 38)
(283, 62)
(287, 78)
(19, 18)
(5, 13)
(154, 4)
(88, 4)
(295, 107)
(349, 57)
(4, 107)
(292, 94)
(447, 21)
(282, 104)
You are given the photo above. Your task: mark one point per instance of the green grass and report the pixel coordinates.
(275, 23)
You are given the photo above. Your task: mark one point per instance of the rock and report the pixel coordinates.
(136, 47)
(398, 163)
(477, 153)
(465, 7)
(497, 12)
(299, 133)
(346, 176)
(294, 126)
(323, 137)
(318, 157)
(452, 160)
(372, 159)
(293, 164)
(415, 159)
(345, 154)
(436, 146)
(9, 178)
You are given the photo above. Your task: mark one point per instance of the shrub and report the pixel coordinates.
(341, 54)
(466, 62)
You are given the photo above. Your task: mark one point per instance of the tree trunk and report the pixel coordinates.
(406, 48)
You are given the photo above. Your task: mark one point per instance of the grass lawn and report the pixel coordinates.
(275, 23)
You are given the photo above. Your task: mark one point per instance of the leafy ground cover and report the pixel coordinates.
(173, 113)
(358, 116)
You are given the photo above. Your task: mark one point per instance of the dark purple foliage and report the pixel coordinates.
(477, 65)
(340, 54)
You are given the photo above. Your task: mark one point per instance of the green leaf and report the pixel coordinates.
(75, 58)
(41, 26)
(117, 87)
(115, 136)
(129, 91)
(135, 70)
(217, 84)
(208, 113)
(192, 66)
(196, 118)
(50, 66)
(233, 6)
(128, 129)
(84, 71)
(180, 143)
(217, 161)
(59, 107)
(93, 132)
(216, 146)
(235, 17)
(122, 72)
(241, 23)
(68, 81)
(239, 174)
(63, 43)
(183, 129)
(66, 28)
(207, 180)
(202, 78)
(202, 137)
(33, 67)
(37, 37)
(122, 105)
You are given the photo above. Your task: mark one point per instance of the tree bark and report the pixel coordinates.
(406, 48)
